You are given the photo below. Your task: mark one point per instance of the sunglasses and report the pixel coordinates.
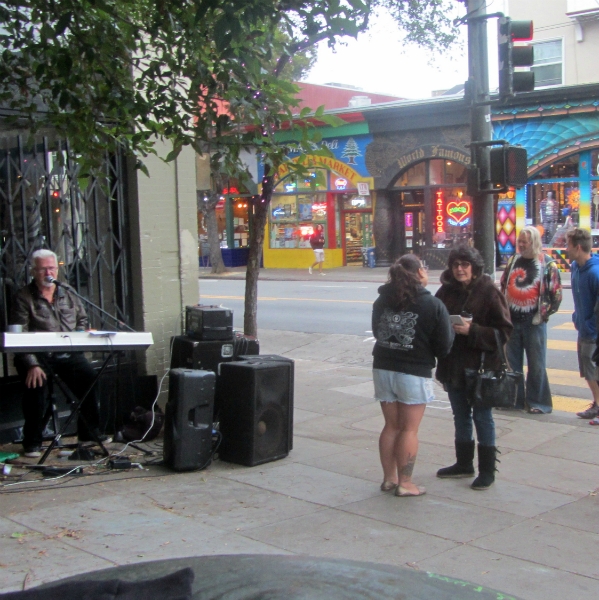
(464, 264)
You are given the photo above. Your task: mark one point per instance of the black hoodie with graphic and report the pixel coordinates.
(409, 340)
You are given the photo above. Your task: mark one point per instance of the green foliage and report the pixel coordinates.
(206, 73)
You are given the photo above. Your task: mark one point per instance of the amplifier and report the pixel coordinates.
(208, 322)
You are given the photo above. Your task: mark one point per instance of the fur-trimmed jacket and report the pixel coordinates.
(489, 311)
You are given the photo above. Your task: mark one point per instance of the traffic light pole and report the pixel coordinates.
(480, 131)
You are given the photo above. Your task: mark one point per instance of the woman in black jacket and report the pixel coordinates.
(411, 329)
(466, 289)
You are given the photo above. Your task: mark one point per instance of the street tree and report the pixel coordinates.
(127, 72)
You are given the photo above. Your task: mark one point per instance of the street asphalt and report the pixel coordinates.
(533, 535)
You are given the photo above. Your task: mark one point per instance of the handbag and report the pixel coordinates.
(486, 388)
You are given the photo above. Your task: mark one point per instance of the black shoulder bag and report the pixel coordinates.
(492, 389)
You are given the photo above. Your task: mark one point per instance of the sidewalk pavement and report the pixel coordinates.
(357, 274)
(534, 534)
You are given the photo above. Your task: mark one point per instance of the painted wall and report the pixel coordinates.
(164, 251)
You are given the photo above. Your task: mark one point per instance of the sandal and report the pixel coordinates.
(535, 411)
(403, 493)
(388, 486)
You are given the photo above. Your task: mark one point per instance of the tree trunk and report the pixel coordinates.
(250, 323)
(209, 210)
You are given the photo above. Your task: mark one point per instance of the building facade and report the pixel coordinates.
(397, 180)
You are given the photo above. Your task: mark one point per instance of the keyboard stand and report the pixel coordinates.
(77, 403)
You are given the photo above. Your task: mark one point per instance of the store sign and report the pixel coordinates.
(458, 213)
(231, 190)
(278, 212)
(439, 217)
(363, 188)
(340, 183)
(358, 202)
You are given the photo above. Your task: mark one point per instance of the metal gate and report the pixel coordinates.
(45, 204)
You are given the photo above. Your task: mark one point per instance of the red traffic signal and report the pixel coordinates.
(511, 56)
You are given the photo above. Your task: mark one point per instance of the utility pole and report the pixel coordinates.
(480, 131)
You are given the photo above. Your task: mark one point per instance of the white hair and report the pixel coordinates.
(535, 238)
(42, 253)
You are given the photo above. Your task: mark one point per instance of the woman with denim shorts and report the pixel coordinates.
(412, 329)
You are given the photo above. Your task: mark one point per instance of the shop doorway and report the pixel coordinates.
(412, 230)
(357, 235)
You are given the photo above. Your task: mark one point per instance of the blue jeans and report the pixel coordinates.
(464, 415)
(532, 340)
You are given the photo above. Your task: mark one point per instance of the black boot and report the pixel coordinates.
(464, 466)
(487, 456)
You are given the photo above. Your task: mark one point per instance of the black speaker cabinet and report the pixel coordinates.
(189, 353)
(209, 322)
(272, 358)
(256, 414)
(188, 419)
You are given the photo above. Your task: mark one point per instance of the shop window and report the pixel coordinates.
(455, 172)
(292, 219)
(315, 180)
(414, 176)
(452, 217)
(561, 169)
(553, 208)
(436, 172)
(595, 163)
(548, 63)
(241, 223)
(283, 208)
(595, 204)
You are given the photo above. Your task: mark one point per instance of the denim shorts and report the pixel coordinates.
(392, 386)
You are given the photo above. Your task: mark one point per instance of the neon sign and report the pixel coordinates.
(458, 213)
(439, 220)
(340, 183)
(306, 230)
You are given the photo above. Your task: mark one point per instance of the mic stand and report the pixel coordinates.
(118, 322)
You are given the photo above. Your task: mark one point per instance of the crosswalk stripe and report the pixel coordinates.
(561, 345)
(568, 326)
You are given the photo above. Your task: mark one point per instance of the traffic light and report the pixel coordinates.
(509, 166)
(510, 56)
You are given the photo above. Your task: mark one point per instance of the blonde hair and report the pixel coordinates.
(535, 238)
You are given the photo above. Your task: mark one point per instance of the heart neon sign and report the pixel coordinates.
(458, 210)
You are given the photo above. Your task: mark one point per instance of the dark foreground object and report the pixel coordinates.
(270, 577)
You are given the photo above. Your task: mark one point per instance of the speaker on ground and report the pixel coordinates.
(189, 353)
(188, 419)
(256, 415)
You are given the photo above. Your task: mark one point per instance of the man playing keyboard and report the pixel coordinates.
(44, 306)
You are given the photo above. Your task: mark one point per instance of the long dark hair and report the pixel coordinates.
(405, 280)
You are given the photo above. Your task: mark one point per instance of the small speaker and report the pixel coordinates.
(188, 419)
(256, 414)
(209, 322)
